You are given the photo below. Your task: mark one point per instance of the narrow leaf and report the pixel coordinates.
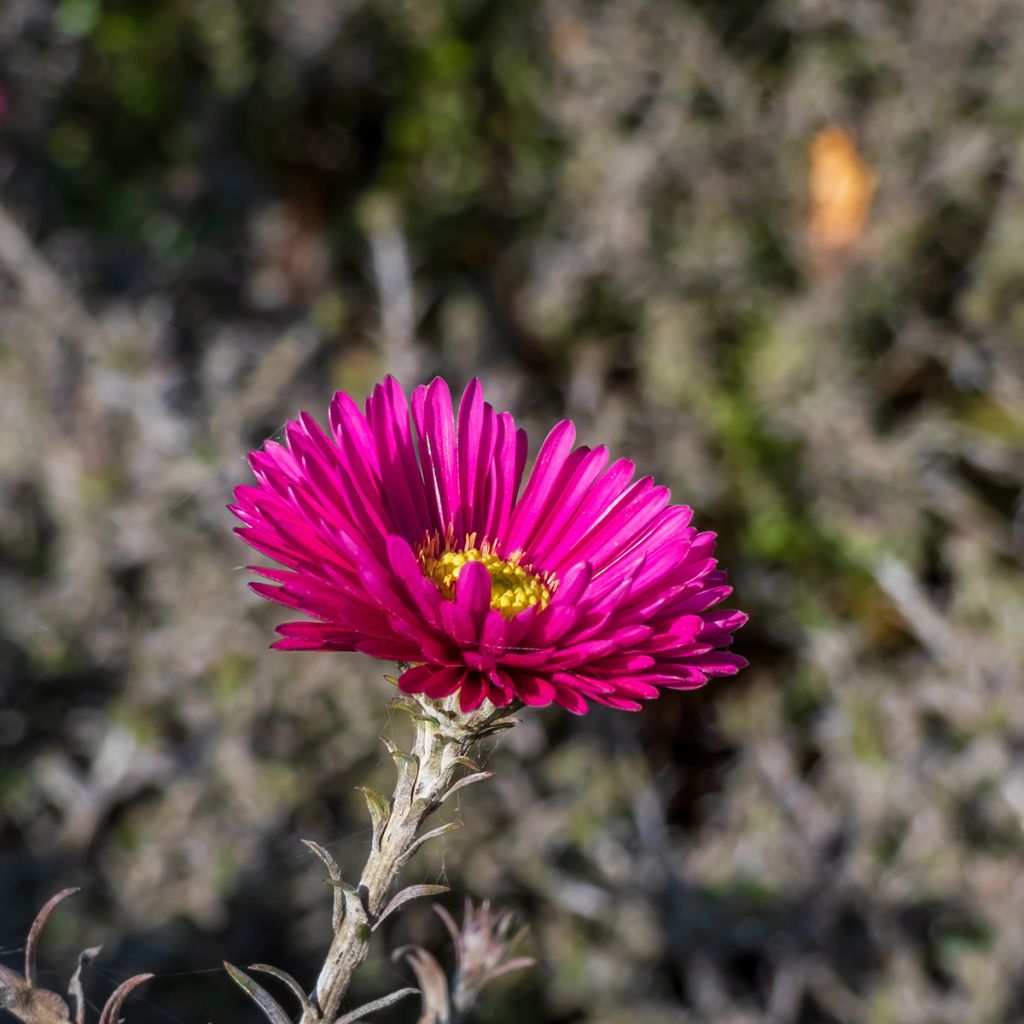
(75, 991)
(519, 964)
(413, 710)
(338, 914)
(377, 1004)
(112, 1011)
(259, 995)
(36, 931)
(401, 758)
(466, 781)
(467, 762)
(380, 812)
(435, 1007)
(392, 748)
(286, 979)
(449, 923)
(411, 893)
(408, 773)
(441, 830)
(9, 978)
(498, 726)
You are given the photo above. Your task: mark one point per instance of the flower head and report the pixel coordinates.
(404, 535)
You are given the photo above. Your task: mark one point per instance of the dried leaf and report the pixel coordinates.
(413, 892)
(518, 964)
(75, 991)
(259, 995)
(433, 983)
(413, 709)
(9, 978)
(481, 945)
(286, 979)
(466, 781)
(393, 748)
(377, 1004)
(451, 927)
(112, 1011)
(408, 773)
(380, 812)
(34, 1005)
(495, 727)
(341, 888)
(432, 834)
(36, 931)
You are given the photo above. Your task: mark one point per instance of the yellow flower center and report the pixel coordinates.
(514, 588)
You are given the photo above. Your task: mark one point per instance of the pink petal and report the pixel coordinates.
(472, 694)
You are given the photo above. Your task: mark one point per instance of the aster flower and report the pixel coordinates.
(406, 532)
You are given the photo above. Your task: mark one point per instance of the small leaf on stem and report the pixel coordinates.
(340, 899)
(259, 995)
(411, 893)
(452, 826)
(286, 979)
(36, 931)
(380, 812)
(435, 1008)
(75, 991)
(9, 978)
(112, 1011)
(499, 726)
(466, 781)
(413, 709)
(377, 1004)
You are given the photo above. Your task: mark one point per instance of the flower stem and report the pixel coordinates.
(426, 777)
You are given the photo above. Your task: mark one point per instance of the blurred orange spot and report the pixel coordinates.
(842, 187)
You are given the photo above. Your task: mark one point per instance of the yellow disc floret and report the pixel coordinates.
(514, 587)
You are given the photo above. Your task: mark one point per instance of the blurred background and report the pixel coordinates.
(773, 250)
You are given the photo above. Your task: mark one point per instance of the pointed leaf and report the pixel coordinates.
(36, 931)
(286, 979)
(466, 781)
(259, 995)
(411, 893)
(75, 991)
(432, 834)
(377, 1004)
(393, 748)
(518, 964)
(413, 709)
(408, 773)
(401, 758)
(435, 1006)
(329, 862)
(467, 762)
(450, 925)
(9, 978)
(112, 1011)
(380, 813)
(338, 914)
(495, 727)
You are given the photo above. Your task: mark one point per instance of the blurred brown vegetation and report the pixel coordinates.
(217, 211)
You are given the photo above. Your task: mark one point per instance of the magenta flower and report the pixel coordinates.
(407, 538)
